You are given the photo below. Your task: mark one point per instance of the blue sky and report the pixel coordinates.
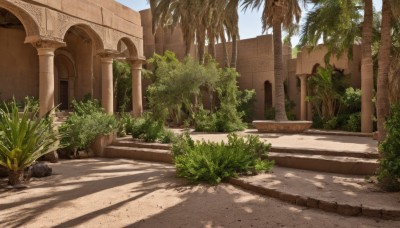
(249, 22)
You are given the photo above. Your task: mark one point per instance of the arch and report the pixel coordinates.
(315, 68)
(132, 51)
(98, 41)
(30, 24)
(64, 57)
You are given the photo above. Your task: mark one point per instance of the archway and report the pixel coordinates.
(19, 65)
(267, 95)
(78, 67)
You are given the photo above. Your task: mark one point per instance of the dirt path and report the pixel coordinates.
(123, 193)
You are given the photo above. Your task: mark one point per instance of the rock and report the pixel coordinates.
(51, 157)
(40, 170)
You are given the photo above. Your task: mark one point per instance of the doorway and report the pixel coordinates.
(63, 95)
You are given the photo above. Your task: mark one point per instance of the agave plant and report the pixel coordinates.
(23, 139)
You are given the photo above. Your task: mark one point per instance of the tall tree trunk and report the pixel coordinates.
(382, 102)
(211, 43)
(280, 112)
(201, 42)
(367, 71)
(188, 47)
(234, 51)
(224, 49)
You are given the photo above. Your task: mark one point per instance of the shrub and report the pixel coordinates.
(214, 162)
(86, 123)
(353, 122)
(204, 121)
(23, 139)
(125, 123)
(150, 130)
(389, 164)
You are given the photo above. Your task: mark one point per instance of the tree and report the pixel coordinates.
(390, 9)
(275, 14)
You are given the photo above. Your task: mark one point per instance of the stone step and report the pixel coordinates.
(138, 144)
(145, 154)
(348, 195)
(337, 133)
(325, 163)
(310, 151)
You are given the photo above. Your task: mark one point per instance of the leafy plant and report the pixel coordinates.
(214, 162)
(23, 139)
(150, 130)
(86, 123)
(389, 163)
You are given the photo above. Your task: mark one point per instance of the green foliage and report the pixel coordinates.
(122, 85)
(328, 86)
(24, 138)
(86, 107)
(215, 162)
(389, 163)
(150, 130)
(125, 123)
(176, 85)
(86, 123)
(352, 100)
(247, 100)
(353, 122)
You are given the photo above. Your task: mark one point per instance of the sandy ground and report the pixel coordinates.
(124, 193)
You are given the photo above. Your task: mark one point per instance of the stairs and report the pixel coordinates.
(130, 149)
(343, 162)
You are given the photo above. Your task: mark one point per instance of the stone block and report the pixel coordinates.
(312, 203)
(288, 197)
(349, 210)
(301, 201)
(328, 206)
(371, 212)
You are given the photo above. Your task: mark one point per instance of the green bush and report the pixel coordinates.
(88, 107)
(86, 123)
(389, 163)
(23, 139)
(353, 122)
(204, 121)
(150, 130)
(214, 162)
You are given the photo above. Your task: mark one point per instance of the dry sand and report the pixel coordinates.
(124, 193)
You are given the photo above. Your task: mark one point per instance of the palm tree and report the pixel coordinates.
(275, 14)
(390, 9)
(367, 69)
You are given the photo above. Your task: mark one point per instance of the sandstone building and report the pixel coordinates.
(57, 50)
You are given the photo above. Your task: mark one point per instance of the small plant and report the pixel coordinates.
(389, 163)
(24, 139)
(214, 162)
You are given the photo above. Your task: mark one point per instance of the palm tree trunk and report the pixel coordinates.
(234, 51)
(15, 177)
(224, 49)
(367, 71)
(280, 113)
(382, 102)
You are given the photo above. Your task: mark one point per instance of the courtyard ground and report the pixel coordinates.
(126, 193)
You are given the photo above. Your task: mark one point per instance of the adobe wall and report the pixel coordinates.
(18, 66)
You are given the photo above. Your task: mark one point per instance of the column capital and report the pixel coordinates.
(303, 76)
(44, 46)
(107, 54)
(136, 63)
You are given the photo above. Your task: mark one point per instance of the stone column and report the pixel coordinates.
(137, 105)
(303, 95)
(46, 74)
(107, 90)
